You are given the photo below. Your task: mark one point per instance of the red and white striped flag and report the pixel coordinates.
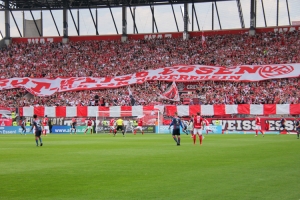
(171, 93)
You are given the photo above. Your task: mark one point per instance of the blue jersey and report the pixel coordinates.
(297, 125)
(37, 124)
(176, 123)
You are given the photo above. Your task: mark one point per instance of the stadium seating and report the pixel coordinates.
(113, 58)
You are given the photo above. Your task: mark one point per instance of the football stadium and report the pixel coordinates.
(147, 99)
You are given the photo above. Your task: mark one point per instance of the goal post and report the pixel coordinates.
(151, 118)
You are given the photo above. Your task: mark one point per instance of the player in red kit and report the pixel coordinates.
(112, 125)
(267, 125)
(45, 124)
(198, 124)
(258, 126)
(139, 127)
(89, 126)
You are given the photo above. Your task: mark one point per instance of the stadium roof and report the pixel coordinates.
(84, 4)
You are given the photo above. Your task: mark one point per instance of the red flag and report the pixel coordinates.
(171, 93)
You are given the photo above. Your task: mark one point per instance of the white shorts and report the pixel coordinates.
(89, 127)
(198, 131)
(189, 128)
(46, 129)
(258, 127)
(139, 128)
(207, 128)
(112, 128)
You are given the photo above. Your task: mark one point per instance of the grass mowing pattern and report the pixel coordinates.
(149, 167)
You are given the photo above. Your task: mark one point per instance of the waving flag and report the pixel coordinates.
(171, 93)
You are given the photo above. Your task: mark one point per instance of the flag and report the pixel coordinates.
(171, 93)
(203, 39)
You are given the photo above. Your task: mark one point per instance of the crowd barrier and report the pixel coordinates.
(169, 110)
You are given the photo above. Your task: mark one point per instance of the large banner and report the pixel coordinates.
(14, 130)
(100, 129)
(241, 125)
(169, 110)
(47, 86)
(165, 130)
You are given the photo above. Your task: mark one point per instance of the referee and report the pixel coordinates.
(120, 125)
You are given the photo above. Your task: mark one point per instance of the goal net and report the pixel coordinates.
(151, 120)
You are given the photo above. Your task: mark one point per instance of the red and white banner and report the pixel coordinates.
(246, 109)
(248, 124)
(171, 93)
(116, 111)
(5, 122)
(46, 86)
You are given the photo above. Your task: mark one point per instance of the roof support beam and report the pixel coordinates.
(218, 15)
(15, 22)
(77, 29)
(124, 21)
(288, 11)
(37, 28)
(195, 13)
(53, 18)
(263, 8)
(7, 20)
(153, 20)
(65, 21)
(238, 2)
(96, 28)
(174, 16)
(133, 19)
(112, 16)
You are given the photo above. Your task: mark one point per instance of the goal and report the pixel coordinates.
(151, 120)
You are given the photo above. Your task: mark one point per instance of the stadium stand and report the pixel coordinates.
(113, 58)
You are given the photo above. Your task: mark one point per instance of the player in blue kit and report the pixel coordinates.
(176, 123)
(38, 126)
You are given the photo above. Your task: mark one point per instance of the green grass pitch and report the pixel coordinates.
(149, 166)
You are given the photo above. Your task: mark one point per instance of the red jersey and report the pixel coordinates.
(45, 121)
(257, 121)
(89, 123)
(112, 122)
(140, 123)
(206, 122)
(73, 120)
(198, 121)
(267, 126)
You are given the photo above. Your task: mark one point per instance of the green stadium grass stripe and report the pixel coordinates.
(149, 166)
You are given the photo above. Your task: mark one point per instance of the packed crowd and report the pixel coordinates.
(114, 58)
(280, 91)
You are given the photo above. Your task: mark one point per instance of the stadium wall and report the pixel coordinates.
(158, 35)
(169, 110)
